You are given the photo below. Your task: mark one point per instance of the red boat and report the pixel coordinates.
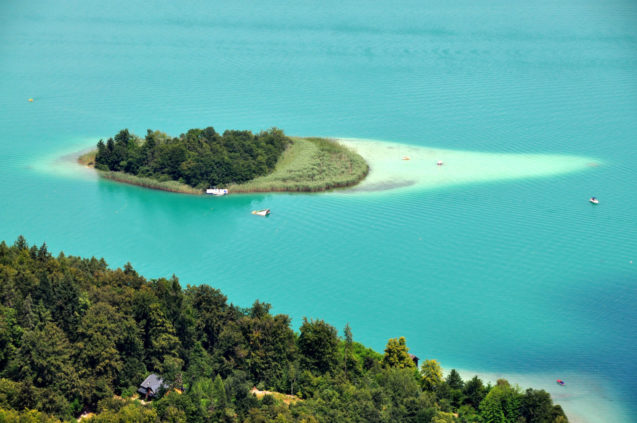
(560, 382)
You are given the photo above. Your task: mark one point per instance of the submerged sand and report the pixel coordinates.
(390, 170)
(584, 398)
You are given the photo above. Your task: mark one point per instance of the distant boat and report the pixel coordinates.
(594, 200)
(439, 163)
(406, 158)
(560, 382)
(30, 100)
(217, 191)
(263, 212)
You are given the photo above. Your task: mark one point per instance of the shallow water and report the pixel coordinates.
(521, 276)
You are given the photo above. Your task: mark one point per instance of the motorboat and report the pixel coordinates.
(439, 163)
(406, 158)
(217, 191)
(560, 382)
(594, 200)
(263, 212)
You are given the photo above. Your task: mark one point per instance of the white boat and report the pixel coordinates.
(594, 200)
(263, 212)
(439, 163)
(217, 191)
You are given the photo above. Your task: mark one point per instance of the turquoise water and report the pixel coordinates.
(521, 277)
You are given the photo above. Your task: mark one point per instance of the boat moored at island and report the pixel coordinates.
(264, 212)
(594, 200)
(217, 191)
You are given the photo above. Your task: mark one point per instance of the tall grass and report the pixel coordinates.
(87, 159)
(308, 165)
(172, 186)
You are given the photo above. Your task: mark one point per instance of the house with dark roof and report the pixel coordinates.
(414, 359)
(151, 386)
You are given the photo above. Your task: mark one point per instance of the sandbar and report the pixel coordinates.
(396, 166)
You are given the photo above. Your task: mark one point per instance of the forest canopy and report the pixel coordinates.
(78, 337)
(200, 158)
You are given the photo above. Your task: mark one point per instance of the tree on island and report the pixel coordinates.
(200, 158)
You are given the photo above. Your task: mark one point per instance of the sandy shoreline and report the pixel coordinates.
(395, 166)
(584, 398)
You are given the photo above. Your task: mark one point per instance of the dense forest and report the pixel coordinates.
(200, 158)
(76, 336)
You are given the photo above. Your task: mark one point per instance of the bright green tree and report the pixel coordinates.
(397, 354)
(431, 375)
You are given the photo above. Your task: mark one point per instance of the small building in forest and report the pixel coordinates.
(151, 386)
(414, 359)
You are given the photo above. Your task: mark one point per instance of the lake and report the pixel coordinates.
(520, 278)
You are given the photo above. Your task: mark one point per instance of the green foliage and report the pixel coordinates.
(199, 158)
(397, 354)
(431, 375)
(25, 416)
(75, 334)
(318, 345)
(502, 404)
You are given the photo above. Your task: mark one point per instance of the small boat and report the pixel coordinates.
(439, 163)
(406, 158)
(560, 382)
(594, 200)
(217, 191)
(263, 212)
(30, 100)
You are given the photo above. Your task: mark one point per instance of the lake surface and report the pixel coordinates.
(521, 278)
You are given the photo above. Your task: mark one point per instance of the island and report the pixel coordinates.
(239, 161)
(79, 339)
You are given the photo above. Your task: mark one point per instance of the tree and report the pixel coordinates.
(474, 391)
(397, 354)
(44, 357)
(211, 311)
(502, 404)
(10, 334)
(318, 344)
(454, 380)
(537, 407)
(351, 364)
(99, 335)
(431, 375)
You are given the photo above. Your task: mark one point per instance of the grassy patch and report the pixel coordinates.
(87, 159)
(310, 164)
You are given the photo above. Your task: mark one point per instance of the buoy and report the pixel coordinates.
(30, 100)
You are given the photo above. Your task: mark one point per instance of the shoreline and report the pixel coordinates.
(339, 167)
(584, 398)
(392, 168)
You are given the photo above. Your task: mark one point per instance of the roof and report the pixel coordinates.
(413, 357)
(153, 382)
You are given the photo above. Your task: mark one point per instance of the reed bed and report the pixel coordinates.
(310, 165)
(87, 159)
(172, 186)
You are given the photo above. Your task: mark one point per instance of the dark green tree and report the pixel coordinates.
(318, 345)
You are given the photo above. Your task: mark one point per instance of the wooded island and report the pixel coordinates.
(238, 160)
